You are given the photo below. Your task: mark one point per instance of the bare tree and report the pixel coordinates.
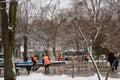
(89, 21)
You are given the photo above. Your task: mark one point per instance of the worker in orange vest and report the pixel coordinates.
(34, 60)
(58, 57)
(46, 63)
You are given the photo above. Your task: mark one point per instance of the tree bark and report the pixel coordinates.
(8, 38)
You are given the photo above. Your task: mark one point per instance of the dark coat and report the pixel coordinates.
(116, 63)
(111, 57)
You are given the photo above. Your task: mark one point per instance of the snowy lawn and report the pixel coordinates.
(40, 76)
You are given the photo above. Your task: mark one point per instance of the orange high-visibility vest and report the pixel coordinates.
(58, 57)
(34, 59)
(46, 60)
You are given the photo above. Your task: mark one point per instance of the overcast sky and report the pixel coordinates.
(63, 3)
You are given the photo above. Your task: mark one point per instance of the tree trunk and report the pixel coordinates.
(54, 49)
(25, 49)
(8, 29)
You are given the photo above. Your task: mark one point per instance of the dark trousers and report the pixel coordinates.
(112, 67)
(47, 69)
(17, 71)
(116, 64)
(34, 67)
(28, 68)
(116, 67)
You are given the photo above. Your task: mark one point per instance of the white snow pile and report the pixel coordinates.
(40, 76)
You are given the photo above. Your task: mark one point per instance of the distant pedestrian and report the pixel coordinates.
(25, 58)
(28, 68)
(46, 63)
(111, 58)
(116, 61)
(116, 64)
(58, 57)
(86, 58)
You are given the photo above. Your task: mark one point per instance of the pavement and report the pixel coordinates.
(84, 70)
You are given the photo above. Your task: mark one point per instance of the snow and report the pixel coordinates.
(40, 76)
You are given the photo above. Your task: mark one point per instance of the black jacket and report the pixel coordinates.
(111, 57)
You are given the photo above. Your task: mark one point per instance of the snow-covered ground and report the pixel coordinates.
(40, 76)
